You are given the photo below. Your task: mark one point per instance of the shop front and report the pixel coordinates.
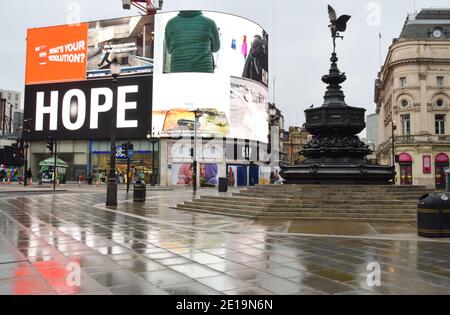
(441, 164)
(406, 169)
(140, 166)
(233, 158)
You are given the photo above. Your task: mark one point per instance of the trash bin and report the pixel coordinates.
(139, 191)
(223, 184)
(433, 215)
(447, 179)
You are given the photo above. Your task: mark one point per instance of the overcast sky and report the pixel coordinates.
(300, 41)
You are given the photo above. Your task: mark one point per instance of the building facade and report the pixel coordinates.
(11, 112)
(293, 143)
(372, 129)
(169, 159)
(412, 96)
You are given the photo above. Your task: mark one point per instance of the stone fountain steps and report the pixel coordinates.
(313, 202)
(313, 215)
(322, 208)
(290, 204)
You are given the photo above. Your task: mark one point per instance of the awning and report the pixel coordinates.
(51, 162)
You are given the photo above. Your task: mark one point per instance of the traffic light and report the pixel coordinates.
(50, 144)
(27, 125)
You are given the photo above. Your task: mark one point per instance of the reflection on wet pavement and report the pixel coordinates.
(154, 249)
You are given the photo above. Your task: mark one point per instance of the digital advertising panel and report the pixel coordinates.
(129, 40)
(211, 42)
(80, 51)
(83, 109)
(217, 64)
(180, 62)
(70, 93)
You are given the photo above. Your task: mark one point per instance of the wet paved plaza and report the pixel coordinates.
(154, 249)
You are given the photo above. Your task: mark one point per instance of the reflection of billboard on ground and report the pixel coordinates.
(211, 42)
(74, 52)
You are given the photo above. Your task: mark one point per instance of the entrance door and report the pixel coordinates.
(441, 163)
(253, 175)
(406, 174)
(242, 178)
(405, 161)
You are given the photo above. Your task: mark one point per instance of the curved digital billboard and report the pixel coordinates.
(213, 62)
(208, 61)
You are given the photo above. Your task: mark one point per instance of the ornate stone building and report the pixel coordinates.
(293, 142)
(412, 93)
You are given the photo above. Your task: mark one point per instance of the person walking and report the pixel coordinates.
(40, 178)
(29, 176)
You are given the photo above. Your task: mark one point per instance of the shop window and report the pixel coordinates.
(440, 124)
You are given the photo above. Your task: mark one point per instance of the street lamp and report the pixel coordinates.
(153, 139)
(111, 192)
(272, 124)
(198, 113)
(393, 128)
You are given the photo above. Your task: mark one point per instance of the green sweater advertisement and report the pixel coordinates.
(191, 39)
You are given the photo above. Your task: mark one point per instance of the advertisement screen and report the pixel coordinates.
(183, 174)
(77, 52)
(210, 42)
(180, 62)
(230, 107)
(56, 53)
(83, 109)
(217, 64)
(129, 40)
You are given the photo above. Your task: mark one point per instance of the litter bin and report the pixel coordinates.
(447, 179)
(223, 184)
(433, 215)
(139, 191)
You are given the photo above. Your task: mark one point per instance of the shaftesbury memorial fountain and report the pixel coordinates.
(335, 154)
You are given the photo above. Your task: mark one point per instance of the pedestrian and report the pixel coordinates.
(273, 177)
(29, 176)
(40, 177)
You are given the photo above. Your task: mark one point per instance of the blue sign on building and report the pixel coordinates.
(121, 153)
